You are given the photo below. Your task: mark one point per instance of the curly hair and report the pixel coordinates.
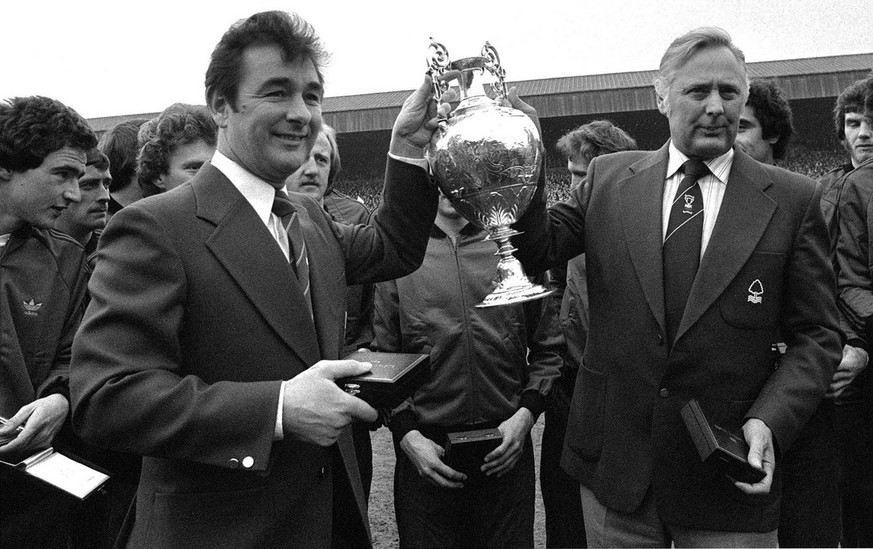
(858, 97)
(292, 34)
(120, 144)
(179, 124)
(31, 128)
(595, 138)
(773, 113)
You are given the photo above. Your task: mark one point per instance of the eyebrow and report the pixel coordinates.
(286, 82)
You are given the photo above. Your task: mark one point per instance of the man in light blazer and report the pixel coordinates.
(763, 277)
(200, 349)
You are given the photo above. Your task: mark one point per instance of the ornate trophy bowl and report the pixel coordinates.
(486, 159)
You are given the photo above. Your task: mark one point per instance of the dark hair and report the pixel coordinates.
(121, 146)
(857, 97)
(97, 159)
(773, 113)
(687, 45)
(595, 138)
(179, 124)
(293, 35)
(31, 128)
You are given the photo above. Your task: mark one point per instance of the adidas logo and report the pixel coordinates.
(31, 308)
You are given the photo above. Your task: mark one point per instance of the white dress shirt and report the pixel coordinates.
(712, 187)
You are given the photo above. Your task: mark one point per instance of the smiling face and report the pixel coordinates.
(277, 115)
(859, 136)
(704, 102)
(39, 195)
(312, 177)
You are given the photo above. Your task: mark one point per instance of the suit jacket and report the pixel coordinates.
(195, 318)
(765, 277)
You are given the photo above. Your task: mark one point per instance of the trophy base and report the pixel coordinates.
(509, 296)
(515, 291)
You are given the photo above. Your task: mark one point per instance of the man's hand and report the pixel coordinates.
(761, 455)
(417, 120)
(41, 420)
(516, 103)
(426, 455)
(514, 430)
(853, 363)
(316, 410)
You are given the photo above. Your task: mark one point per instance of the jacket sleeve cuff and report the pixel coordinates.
(533, 401)
(401, 423)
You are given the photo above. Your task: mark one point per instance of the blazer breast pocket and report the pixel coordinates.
(753, 299)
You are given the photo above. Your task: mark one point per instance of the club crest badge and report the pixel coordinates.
(31, 308)
(756, 290)
(689, 200)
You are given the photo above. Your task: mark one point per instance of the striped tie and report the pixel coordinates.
(682, 244)
(299, 258)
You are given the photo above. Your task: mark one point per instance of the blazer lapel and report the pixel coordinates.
(641, 206)
(742, 219)
(244, 247)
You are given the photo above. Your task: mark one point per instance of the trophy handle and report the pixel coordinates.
(493, 65)
(437, 63)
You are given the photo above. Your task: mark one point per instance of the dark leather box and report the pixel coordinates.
(466, 450)
(394, 377)
(719, 447)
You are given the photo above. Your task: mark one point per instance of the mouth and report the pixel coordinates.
(291, 138)
(59, 209)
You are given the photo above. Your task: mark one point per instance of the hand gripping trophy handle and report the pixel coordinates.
(486, 159)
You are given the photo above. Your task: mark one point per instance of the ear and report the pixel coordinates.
(159, 183)
(663, 105)
(5, 175)
(219, 107)
(774, 140)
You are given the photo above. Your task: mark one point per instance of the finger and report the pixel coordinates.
(361, 411)
(334, 369)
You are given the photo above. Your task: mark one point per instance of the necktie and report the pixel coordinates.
(682, 245)
(299, 258)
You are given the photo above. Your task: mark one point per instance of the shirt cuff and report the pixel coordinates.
(279, 432)
(420, 162)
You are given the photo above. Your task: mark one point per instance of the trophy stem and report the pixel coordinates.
(512, 284)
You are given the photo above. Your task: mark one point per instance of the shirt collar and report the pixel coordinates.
(256, 191)
(720, 166)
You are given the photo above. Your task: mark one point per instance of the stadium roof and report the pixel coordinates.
(809, 78)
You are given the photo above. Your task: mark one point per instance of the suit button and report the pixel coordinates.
(233, 463)
(660, 339)
(323, 472)
(248, 461)
(664, 393)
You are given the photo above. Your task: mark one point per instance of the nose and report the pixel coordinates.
(298, 111)
(104, 194)
(866, 128)
(714, 104)
(71, 190)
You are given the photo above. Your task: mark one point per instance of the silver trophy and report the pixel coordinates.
(486, 160)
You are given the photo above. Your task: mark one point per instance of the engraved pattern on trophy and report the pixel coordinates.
(486, 159)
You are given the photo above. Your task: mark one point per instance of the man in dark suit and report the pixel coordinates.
(205, 350)
(689, 313)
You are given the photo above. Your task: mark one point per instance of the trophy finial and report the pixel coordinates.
(493, 65)
(438, 63)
